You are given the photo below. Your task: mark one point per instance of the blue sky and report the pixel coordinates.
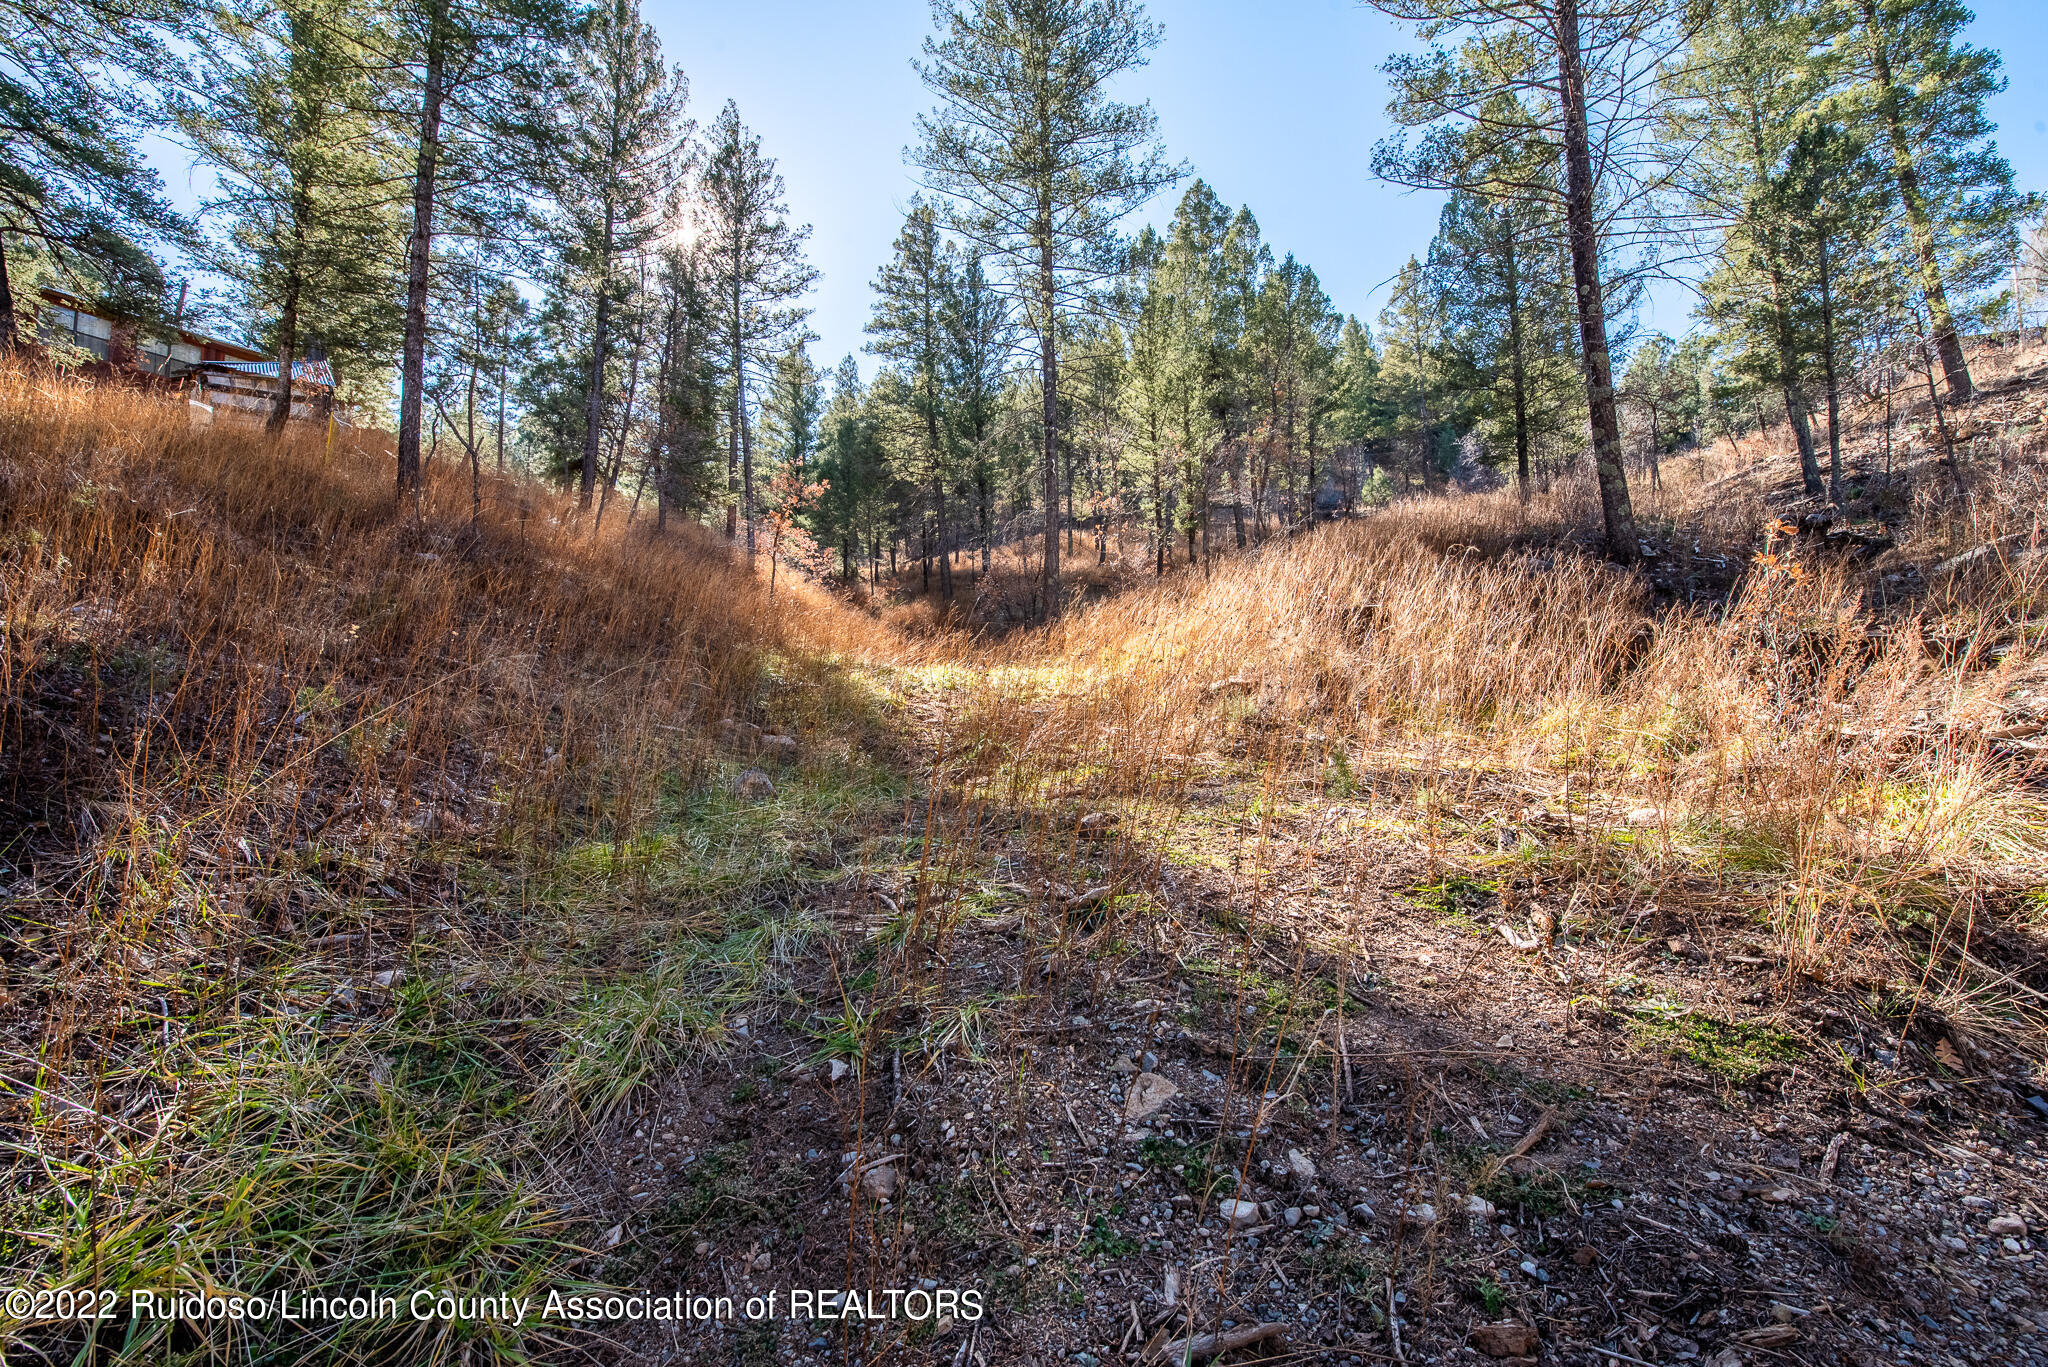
(1277, 104)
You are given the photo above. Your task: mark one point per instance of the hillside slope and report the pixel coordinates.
(1412, 938)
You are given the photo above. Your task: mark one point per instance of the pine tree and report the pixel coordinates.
(284, 111)
(1510, 310)
(1292, 335)
(1568, 78)
(74, 95)
(909, 327)
(1924, 90)
(790, 412)
(1749, 88)
(755, 256)
(623, 154)
(1832, 188)
(682, 456)
(1203, 314)
(1360, 422)
(475, 77)
(979, 332)
(1412, 368)
(1040, 164)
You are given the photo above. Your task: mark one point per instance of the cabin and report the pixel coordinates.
(216, 373)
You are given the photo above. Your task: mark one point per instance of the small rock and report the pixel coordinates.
(2006, 1226)
(1099, 825)
(1149, 1092)
(1291, 1216)
(1362, 1211)
(389, 978)
(836, 1070)
(1421, 1213)
(1783, 1313)
(781, 747)
(881, 1182)
(1781, 1196)
(1239, 1214)
(1302, 1166)
(762, 1262)
(1479, 1207)
(1505, 1340)
(612, 1237)
(1123, 1067)
(753, 786)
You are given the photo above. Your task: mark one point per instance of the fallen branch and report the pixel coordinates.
(1536, 1133)
(1204, 1346)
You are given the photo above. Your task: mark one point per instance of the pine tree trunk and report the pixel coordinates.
(288, 317)
(1518, 372)
(1616, 514)
(739, 400)
(418, 259)
(1788, 381)
(287, 344)
(1827, 362)
(747, 474)
(1049, 379)
(10, 336)
(1237, 499)
(1955, 371)
(593, 403)
(476, 473)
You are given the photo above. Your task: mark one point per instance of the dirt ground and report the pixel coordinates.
(1419, 1117)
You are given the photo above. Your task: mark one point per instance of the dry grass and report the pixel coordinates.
(1847, 757)
(363, 861)
(334, 832)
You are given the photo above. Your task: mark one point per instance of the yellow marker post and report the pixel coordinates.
(328, 459)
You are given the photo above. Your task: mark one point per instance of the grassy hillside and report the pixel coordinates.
(385, 908)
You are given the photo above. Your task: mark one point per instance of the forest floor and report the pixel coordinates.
(1417, 943)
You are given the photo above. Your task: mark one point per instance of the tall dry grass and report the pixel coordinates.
(1867, 765)
(271, 746)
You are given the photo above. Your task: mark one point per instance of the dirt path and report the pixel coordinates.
(1209, 1080)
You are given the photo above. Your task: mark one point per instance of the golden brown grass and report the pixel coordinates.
(300, 791)
(1843, 755)
(266, 738)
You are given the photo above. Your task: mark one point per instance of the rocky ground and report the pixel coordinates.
(1330, 1114)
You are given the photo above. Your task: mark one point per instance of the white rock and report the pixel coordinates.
(1301, 1165)
(1239, 1214)
(1479, 1206)
(2006, 1226)
(836, 1069)
(881, 1181)
(1149, 1091)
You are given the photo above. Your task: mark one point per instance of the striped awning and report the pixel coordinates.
(309, 372)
